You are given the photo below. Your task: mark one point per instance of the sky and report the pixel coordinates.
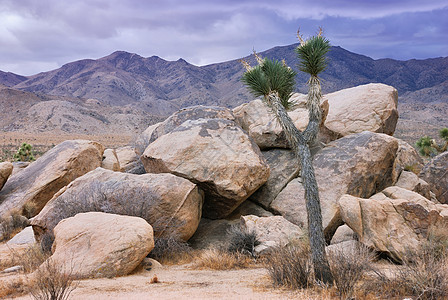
(42, 35)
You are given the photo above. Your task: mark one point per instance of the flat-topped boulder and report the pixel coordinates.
(30, 189)
(217, 155)
(155, 131)
(171, 204)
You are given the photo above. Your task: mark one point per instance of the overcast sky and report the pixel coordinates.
(41, 35)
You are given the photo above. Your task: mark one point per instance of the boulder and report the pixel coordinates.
(212, 233)
(29, 190)
(271, 232)
(370, 107)
(110, 160)
(26, 236)
(342, 234)
(407, 159)
(129, 161)
(392, 226)
(172, 205)
(358, 164)
(410, 181)
(249, 208)
(284, 167)
(155, 131)
(19, 166)
(5, 171)
(257, 119)
(217, 155)
(95, 244)
(436, 174)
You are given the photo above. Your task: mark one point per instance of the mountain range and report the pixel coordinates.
(125, 85)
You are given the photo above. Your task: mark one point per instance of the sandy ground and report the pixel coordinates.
(181, 282)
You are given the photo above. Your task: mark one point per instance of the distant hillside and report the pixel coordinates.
(154, 86)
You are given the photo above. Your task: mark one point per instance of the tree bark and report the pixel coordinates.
(299, 143)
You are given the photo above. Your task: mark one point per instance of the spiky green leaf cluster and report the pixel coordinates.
(271, 76)
(424, 145)
(24, 153)
(312, 55)
(443, 133)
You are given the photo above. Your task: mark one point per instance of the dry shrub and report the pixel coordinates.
(51, 282)
(242, 241)
(171, 250)
(348, 267)
(291, 266)
(218, 259)
(12, 288)
(31, 258)
(12, 224)
(423, 273)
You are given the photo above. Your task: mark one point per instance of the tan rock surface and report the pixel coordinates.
(29, 190)
(371, 107)
(392, 226)
(407, 159)
(171, 204)
(128, 160)
(5, 171)
(155, 131)
(110, 160)
(256, 118)
(217, 155)
(359, 164)
(96, 244)
(436, 174)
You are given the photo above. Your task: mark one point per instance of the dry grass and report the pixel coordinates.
(11, 224)
(348, 267)
(171, 251)
(242, 241)
(10, 288)
(291, 266)
(217, 259)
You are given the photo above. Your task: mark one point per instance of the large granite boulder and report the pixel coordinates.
(284, 167)
(29, 190)
(257, 119)
(371, 107)
(217, 155)
(95, 244)
(155, 131)
(359, 164)
(5, 171)
(171, 204)
(392, 224)
(436, 174)
(410, 181)
(272, 232)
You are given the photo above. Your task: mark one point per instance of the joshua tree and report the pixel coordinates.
(429, 147)
(24, 153)
(274, 81)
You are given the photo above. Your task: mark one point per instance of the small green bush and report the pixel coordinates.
(24, 153)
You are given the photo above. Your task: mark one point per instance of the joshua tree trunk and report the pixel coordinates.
(299, 143)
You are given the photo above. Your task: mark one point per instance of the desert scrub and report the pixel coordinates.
(348, 266)
(11, 224)
(221, 259)
(242, 241)
(290, 266)
(171, 250)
